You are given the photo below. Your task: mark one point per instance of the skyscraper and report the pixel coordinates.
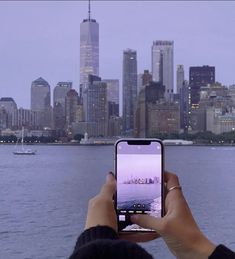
(198, 77)
(112, 96)
(96, 106)
(59, 94)
(8, 105)
(129, 89)
(71, 105)
(163, 66)
(179, 78)
(40, 95)
(89, 48)
(41, 101)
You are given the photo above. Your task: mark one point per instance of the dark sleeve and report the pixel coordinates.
(222, 252)
(102, 242)
(94, 233)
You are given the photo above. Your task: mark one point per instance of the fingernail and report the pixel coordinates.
(111, 173)
(109, 176)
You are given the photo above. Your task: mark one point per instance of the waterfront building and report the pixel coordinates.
(89, 49)
(219, 122)
(3, 119)
(179, 78)
(40, 95)
(184, 100)
(112, 96)
(71, 106)
(163, 65)
(96, 106)
(9, 105)
(150, 93)
(114, 126)
(26, 118)
(231, 92)
(59, 94)
(41, 101)
(163, 117)
(199, 76)
(143, 79)
(146, 77)
(129, 92)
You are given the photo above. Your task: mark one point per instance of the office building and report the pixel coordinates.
(218, 121)
(112, 96)
(59, 94)
(96, 106)
(8, 105)
(129, 92)
(89, 49)
(41, 101)
(150, 93)
(198, 77)
(184, 106)
(179, 78)
(143, 79)
(26, 118)
(164, 117)
(71, 106)
(163, 65)
(40, 95)
(3, 119)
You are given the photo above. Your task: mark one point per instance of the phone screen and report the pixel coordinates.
(139, 166)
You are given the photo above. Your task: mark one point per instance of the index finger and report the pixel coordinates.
(109, 188)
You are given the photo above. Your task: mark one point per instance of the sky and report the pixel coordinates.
(138, 166)
(41, 39)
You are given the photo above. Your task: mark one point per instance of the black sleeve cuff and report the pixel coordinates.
(94, 233)
(222, 251)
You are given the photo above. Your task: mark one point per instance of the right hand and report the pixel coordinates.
(178, 227)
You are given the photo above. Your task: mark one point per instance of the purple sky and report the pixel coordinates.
(139, 166)
(42, 38)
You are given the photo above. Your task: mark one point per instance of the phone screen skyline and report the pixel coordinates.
(139, 181)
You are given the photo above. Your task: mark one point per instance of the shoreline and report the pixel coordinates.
(112, 144)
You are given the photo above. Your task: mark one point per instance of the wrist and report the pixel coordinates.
(203, 247)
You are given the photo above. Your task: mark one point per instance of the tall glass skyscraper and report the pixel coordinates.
(163, 65)
(129, 92)
(89, 49)
(41, 101)
(40, 95)
(179, 78)
(60, 92)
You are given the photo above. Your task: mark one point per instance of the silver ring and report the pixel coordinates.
(175, 187)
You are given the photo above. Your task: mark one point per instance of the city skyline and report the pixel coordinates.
(49, 48)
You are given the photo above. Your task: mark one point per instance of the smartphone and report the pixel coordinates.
(140, 184)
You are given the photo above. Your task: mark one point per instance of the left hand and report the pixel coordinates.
(101, 212)
(101, 209)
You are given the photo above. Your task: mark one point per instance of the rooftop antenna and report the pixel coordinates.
(89, 10)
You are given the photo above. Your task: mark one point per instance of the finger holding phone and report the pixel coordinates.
(178, 227)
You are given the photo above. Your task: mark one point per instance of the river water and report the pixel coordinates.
(43, 198)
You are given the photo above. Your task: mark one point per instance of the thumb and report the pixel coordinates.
(147, 221)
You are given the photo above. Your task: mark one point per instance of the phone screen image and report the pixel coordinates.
(139, 181)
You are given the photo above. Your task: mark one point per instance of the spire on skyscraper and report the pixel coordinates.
(89, 10)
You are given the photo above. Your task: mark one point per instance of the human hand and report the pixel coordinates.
(178, 227)
(101, 208)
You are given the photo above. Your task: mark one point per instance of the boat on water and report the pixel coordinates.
(23, 150)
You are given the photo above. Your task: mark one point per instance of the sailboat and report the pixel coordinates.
(23, 151)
